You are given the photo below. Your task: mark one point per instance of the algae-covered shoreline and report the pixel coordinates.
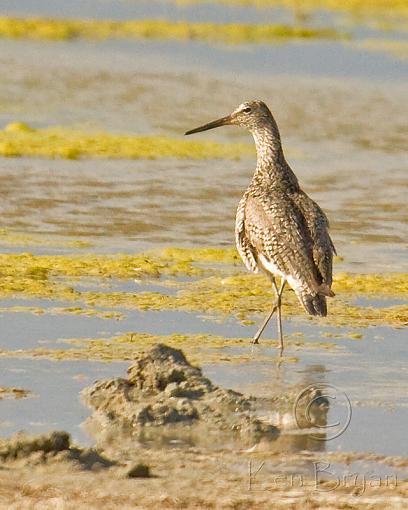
(201, 349)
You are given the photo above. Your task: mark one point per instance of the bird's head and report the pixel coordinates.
(251, 115)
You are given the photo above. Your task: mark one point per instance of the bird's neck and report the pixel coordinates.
(271, 163)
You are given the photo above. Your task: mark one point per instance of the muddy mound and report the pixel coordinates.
(163, 391)
(26, 449)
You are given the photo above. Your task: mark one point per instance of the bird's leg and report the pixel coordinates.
(263, 326)
(276, 307)
(268, 318)
(279, 306)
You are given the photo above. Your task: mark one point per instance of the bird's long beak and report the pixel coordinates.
(211, 125)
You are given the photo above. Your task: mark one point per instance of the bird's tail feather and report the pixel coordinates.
(315, 304)
(325, 290)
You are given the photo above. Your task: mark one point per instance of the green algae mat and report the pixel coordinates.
(18, 139)
(230, 33)
(209, 281)
(206, 282)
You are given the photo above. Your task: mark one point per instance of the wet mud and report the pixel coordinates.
(23, 450)
(164, 393)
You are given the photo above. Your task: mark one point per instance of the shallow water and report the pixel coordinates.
(125, 9)
(55, 404)
(367, 370)
(343, 123)
(120, 203)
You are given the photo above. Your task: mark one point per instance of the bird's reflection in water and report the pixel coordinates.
(299, 409)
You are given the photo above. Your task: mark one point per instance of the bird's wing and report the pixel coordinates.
(323, 247)
(243, 245)
(276, 228)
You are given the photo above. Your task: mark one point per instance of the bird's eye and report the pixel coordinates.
(247, 110)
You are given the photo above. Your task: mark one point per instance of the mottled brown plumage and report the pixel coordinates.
(279, 229)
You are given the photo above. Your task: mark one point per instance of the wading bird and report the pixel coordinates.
(279, 229)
